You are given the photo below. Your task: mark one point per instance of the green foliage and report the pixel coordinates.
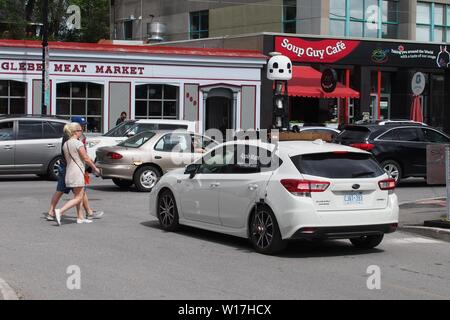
(18, 19)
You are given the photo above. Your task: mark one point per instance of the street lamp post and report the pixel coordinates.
(45, 99)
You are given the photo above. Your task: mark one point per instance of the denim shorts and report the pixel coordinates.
(61, 186)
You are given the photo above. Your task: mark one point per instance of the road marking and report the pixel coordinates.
(415, 240)
(6, 291)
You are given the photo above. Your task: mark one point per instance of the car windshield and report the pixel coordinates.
(338, 165)
(120, 130)
(354, 134)
(138, 140)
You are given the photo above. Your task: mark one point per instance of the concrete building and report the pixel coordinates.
(421, 20)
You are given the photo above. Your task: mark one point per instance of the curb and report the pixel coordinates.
(421, 200)
(6, 292)
(435, 233)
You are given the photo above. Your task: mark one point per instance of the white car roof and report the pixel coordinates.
(165, 121)
(294, 148)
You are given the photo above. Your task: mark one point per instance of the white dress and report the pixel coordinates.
(75, 165)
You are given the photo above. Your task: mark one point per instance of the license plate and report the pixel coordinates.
(353, 198)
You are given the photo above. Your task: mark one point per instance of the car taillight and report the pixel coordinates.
(363, 146)
(114, 156)
(388, 184)
(304, 187)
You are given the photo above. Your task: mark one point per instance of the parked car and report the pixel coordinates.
(399, 146)
(144, 158)
(302, 190)
(31, 145)
(130, 128)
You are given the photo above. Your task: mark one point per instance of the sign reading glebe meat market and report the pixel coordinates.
(68, 68)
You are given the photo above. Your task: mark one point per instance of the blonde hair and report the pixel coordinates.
(71, 128)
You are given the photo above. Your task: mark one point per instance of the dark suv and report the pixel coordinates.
(30, 144)
(400, 147)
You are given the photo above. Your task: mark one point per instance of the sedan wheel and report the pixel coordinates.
(146, 178)
(167, 211)
(392, 169)
(264, 233)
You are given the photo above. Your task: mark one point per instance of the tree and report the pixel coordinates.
(19, 19)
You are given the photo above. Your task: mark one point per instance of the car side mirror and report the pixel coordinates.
(191, 170)
(130, 134)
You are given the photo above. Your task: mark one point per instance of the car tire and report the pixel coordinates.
(167, 211)
(393, 169)
(52, 170)
(265, 234)
(367, 242)
(122, 183)
(145, 178)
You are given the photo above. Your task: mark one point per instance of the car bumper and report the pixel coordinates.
(297, 213)
(118, 171)
(343, 232)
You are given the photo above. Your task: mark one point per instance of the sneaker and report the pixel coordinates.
(81, 221)
(50, 218)
(58, 216)
(95, 215)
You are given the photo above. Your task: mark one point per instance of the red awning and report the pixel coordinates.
(306, 83)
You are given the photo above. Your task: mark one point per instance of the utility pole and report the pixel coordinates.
(45, 99)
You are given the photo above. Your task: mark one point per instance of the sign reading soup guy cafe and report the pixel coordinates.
(367, 53)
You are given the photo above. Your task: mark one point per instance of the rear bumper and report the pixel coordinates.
(344, 232)
(122, 171)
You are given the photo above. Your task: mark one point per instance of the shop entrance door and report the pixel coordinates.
(385, 106)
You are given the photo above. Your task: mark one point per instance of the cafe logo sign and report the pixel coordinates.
(329, 80)
(327, 51)
(380, 55)
(418, 83)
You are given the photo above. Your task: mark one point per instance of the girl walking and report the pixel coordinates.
(76, 159)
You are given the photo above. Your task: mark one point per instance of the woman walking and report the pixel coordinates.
(76, 159)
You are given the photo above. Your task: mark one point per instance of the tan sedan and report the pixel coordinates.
(144, 158)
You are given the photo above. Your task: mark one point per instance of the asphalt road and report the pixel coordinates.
(126, 256)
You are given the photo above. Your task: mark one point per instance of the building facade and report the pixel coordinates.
(213, 87)
(418, 20)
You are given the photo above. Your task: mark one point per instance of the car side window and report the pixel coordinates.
(201, 144)
(6, 131)
(50, 131)
(173, 142)
(409, 135)
(216, 161)
(391, 135)
(30, 130)
(434, 137)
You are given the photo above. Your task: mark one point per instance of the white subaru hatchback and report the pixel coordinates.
(272, 194)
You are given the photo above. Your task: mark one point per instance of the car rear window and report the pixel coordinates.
(354, 134)
(338, 165)
(138, 140)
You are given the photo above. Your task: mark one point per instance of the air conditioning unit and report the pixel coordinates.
(156, 31)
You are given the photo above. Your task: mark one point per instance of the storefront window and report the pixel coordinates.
(156, 101)
(81, 99)
(12, 97)
(289, 16)
(433, 22)
(364, 18)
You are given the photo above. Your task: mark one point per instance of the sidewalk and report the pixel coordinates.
(6, 292)
(414, 214)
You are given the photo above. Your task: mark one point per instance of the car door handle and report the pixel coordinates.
(253, 187)
(215, 185)
(50, 145)
(158, 157)
(8, 147)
